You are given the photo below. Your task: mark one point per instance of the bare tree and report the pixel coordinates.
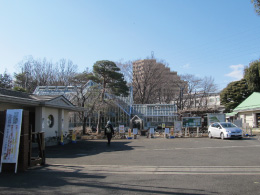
(257, 6)
(66, 71)
(152, 81)
(126, 68)
(85, 96)
(39, 72)
(207, 86)
(148, 81)
(195, 92)
(189, 90)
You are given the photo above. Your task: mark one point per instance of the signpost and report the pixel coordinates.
(151, 132)
(191, 122)
(61, 138)
(73, 139)
(121, 129)
(129, 134)
(166, 132)
(177, 126)
(11, 139)
(135, 131)
(172, 133)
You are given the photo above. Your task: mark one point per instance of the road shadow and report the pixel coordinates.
(86, 148)
(60, 179)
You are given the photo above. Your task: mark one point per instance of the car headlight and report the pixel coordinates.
(228, 131)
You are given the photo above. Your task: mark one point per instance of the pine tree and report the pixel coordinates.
(6, 81)
(108, 75)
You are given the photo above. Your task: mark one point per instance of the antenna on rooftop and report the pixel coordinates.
(152, 54)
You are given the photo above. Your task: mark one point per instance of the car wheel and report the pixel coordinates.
(222, 136)
(210, 135)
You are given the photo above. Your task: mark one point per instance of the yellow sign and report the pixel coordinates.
(163, 125)
(61, 138)
(73, 138)
(172, 132)
(129, 133)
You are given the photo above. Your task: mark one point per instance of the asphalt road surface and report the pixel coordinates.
(144, 166)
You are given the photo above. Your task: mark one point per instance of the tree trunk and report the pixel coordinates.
(99, 122)
(84, 125)
(99, 112)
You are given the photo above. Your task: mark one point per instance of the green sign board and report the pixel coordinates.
(191, 121)
(216, 117)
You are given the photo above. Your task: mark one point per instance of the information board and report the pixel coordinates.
(11, 139)
(177, 126)
(216, 117)
(167, 131)
(121, 129)
(191, 122)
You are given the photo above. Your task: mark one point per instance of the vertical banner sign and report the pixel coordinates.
(135, 131)
(61, 138)
(121, 129)
(172, 133)
(11, 141)
(151, 130)
(177, 126)
(73, 138)
(166, 132)
(129, 134)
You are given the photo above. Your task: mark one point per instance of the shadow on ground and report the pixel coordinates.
(49, 179)
(86, 148)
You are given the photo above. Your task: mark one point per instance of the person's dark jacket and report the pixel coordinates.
(111, 127)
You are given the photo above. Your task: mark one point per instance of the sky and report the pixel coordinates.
(206, 38)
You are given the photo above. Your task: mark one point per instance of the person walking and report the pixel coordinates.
(109, 131)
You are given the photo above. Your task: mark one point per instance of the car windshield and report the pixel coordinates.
(227, 125)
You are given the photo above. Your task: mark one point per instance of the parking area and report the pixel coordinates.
(159, 152)
(144, 166)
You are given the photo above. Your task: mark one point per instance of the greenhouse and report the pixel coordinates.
(120, 112)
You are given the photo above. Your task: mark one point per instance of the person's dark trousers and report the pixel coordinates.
(109, 136)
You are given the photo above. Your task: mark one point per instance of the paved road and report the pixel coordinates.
(144, 166)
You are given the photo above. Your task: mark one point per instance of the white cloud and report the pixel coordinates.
(186, 66)
(237, 72)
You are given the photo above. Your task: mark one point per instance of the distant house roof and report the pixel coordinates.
(21, 98)
(249, 104)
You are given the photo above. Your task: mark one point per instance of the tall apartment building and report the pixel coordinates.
(153, 82)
